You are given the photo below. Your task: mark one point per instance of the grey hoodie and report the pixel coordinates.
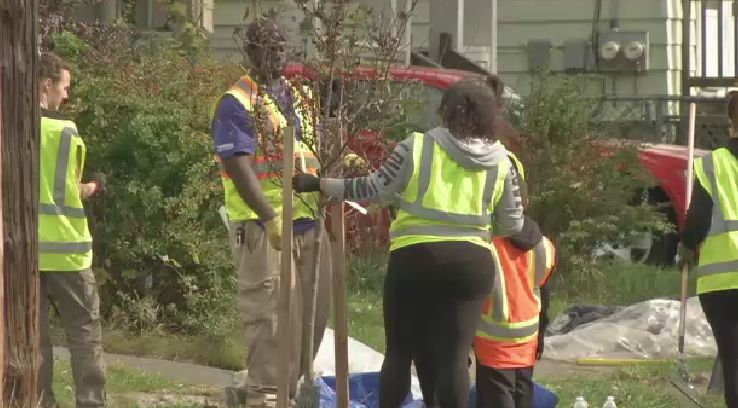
(386, 184)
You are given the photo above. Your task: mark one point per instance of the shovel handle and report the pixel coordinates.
(687, 201)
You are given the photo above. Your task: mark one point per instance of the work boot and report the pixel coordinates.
(259, 399)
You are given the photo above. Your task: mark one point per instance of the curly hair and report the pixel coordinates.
(471, 108)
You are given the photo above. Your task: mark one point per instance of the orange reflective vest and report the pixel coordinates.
(507, 335)
(269, 122)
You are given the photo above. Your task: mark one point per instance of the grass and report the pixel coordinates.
(612, 284)
(122, 385)
(615, 284)
(643, 385)
(223, 351)
(227, 351)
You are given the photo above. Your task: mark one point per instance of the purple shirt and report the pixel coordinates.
(234, 134)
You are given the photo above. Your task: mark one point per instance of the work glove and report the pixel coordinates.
(305, 183)
(274, 232)
(542, 326)
(541, 344)
(686, 256)
(101, 183)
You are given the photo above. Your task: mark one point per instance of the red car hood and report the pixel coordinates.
(668, 164)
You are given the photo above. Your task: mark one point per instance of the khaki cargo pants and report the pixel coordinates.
(259, 268)
(77, 300)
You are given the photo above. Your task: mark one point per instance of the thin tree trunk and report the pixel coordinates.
(2, 286)
(286, 279)
(338, 248)
(19, 152)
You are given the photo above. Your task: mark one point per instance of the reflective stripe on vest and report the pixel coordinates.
(58, 207)
(510, 331)
(415, 218)
(518, 164)
(267, 163)
(64, 241)
(718, 262)
(496, 323)
(64, 247)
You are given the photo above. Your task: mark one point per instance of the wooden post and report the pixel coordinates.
(339, 306)
(2, 240)
(285, 279)
(19, 146)
(338, 248)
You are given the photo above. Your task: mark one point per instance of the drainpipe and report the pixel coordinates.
(615, 15)
(409, 31)
(460, 26)
(493, 42)
(207, 15)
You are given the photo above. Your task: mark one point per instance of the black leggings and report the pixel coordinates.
(721, 310)
(433, 296)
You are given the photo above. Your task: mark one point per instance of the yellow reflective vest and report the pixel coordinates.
(718, 264)
(444, 201)
(64, 241)
(269, 122)
(518, 164)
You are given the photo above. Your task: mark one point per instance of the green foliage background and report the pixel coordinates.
(161, 253)
(161, 256)
(585, 189)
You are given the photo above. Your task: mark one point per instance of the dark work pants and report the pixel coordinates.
(504, 388)
(433, 298)
(721, 309)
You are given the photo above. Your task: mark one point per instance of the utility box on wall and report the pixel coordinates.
(539, 54)
(623, 51)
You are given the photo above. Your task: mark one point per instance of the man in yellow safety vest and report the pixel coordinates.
(247, 121)
(65, 244)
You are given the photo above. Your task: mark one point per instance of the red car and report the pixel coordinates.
(667, 164)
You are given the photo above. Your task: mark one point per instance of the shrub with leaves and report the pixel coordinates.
(584, 187)
(158, 236)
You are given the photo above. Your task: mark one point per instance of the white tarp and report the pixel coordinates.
(362, 358)
(647, 329)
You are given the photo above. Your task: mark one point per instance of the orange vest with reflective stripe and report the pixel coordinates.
(507, 336)
(269, 122)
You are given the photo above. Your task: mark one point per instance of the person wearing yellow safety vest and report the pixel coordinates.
(454, 187)
(514, 318)
(712, 225)
(65, 244)
(247, 121)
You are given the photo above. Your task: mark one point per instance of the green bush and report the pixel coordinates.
(160, 247)
(584, 189)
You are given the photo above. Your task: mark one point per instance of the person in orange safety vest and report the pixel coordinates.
(510, 334)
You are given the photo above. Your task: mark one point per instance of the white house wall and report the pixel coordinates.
(561, 20)
(520, 21)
